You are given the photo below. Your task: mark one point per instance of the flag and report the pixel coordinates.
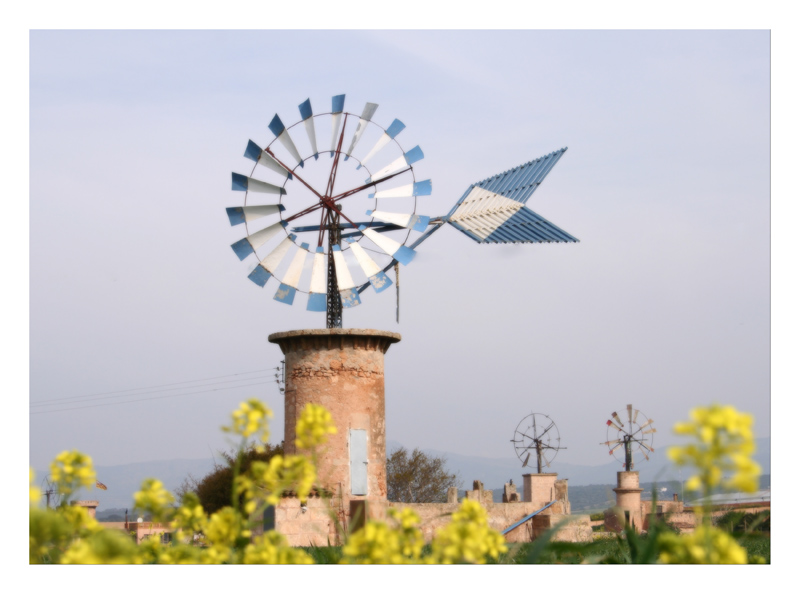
(100, 485)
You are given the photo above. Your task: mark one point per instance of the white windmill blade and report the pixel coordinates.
(244, 214)
(337, 107)
(421, 188)
(366, 116)
(653, 430)
(288, 289)
(347, 290)
(280, 131)
(266, 268)
(635, 414)
(242, 183)
(248, 245)
(649, 422)
(409, 221)
(395, 249)
(392, 131)
(408, 159)
(317, 295)
(613, 424)
(630, 407)
(611, 451)
(308, 121)
(377, 277)
(260, 156)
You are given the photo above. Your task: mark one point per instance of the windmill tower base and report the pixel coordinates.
(542, 488)
(628, 510)
(342, 370)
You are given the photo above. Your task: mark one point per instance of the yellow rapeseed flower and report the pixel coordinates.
(314, 426)
(467, 538)
(72, 470)
(281, 473)
(153, 498)
(272, 548)
(724, 443)
(35, 493)
(251, 419)
(706, 545)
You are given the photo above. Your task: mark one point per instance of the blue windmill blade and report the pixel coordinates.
(282, 134)
(344, 279)
(389, 246)
(420, 188)
(248, 245)
(337, 107)
(308, 122)
(408, 159)
(392, 131)
(245, 214)
(377, 277)
(317, 293)
(366, 117)
(260, 156)
(288, 288)
(242, 183)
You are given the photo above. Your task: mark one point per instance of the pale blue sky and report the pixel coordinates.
(665, 303)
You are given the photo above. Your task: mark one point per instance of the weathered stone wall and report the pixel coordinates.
(539, 488)
(342, 370)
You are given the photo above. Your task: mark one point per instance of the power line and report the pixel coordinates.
(57, 401)
(104, 394)
(144, 399)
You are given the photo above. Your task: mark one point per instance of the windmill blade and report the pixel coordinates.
(635, 415)
(248, 245)
(347, 290)
(392, 131)
(644, 453)
(608, 443)
(260, 156)
(242, 183)
(528, 457)
(422, 188)
(396, 250)
(615, 416)
(649, 422)
(308, 122)
(377, 277)
(409, 221)
(611, 451)
(266, 268)
(653, 430)
(337, 107)
(280, 131)
(244, 214)
(630, 406)
(408, 159)
(288, 288)
(366, 116)
(317, 296)
(613, 424)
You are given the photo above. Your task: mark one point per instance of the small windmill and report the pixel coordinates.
(537, 434)
(490, 211)
(621, 441)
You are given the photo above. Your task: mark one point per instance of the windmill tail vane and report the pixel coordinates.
(335, 272)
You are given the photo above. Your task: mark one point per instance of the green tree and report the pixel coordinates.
(418, 477)
(215, 490)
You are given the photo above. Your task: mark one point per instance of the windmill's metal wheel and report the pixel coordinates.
(637, 429)
(329, 208)
(536, 427)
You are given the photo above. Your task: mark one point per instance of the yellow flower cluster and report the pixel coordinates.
(314, 426)
(189, 517)
(724, 443)
(154, 499)
(271, 548)
(378, 543)
(72, 470)
(467, 538)
(281, 473)
(35, 492)
(251, 419)
(706, 544)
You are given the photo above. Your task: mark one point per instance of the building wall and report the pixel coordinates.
(342, 370)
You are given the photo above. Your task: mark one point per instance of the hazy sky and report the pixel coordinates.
(665, 302)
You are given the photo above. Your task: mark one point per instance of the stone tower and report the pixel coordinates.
(629, 503)
(342, 370)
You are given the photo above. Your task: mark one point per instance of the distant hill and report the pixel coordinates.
(123, 480)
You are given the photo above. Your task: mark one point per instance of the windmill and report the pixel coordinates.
(347, 252)
(622, 438)
(537, 434)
